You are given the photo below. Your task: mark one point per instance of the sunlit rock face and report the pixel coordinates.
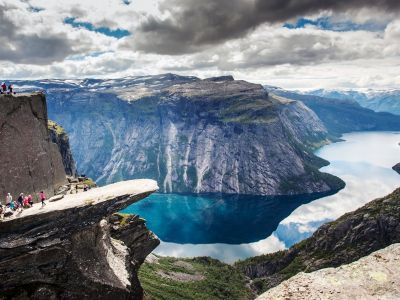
(376, 276)
(61, 139)
(77, 247)
(191, 135)
(29, 161)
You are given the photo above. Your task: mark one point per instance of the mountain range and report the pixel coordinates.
(213, 135)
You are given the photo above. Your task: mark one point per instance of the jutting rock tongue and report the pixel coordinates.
(78, 247)
(29, 161)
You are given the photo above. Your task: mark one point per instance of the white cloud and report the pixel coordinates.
(42, 45)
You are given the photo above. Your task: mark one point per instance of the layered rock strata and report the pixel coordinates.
(77, 248)
(214, 135)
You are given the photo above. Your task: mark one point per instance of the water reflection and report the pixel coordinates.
(210, 219)
(364, 161)
(240, 227)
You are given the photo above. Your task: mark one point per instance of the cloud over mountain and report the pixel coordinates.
(189, 25)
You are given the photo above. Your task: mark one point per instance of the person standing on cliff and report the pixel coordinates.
(9, 199)
(3, 88)
(20, 201)
(42, 197)
(10, 88)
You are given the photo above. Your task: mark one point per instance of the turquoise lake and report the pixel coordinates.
(231, 227)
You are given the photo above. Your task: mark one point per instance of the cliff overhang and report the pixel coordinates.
(78, 247)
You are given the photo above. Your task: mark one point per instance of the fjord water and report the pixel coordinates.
(234, 227)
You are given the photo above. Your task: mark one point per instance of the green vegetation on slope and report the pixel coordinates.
(197, 278)
(54, 126)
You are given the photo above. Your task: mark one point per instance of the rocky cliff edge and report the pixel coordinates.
(78, 247)
(29, 161)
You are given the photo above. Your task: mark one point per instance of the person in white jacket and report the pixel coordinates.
(9, 199)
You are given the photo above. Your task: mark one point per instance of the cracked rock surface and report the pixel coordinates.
(376, 276)
(78, 247)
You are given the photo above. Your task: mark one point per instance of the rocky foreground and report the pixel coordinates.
(78, 247)
(376, 276)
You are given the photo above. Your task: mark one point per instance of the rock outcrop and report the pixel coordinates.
(376, 276)
(60, 138)
(397, 168)
(29, 161)
(192, 135)
(352, 236)
(77, 247)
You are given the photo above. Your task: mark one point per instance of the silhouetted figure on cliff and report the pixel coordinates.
(10, 89)
(3, 88)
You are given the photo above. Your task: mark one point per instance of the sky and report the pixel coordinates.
(294, 44)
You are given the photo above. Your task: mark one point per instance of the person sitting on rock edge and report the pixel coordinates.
(26, 202)
(30, 200)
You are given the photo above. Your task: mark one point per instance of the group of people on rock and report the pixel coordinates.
(6, 90)
(23, 201)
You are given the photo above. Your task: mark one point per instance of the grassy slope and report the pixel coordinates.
(221, 281)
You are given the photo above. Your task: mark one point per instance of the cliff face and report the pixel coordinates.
(60, 138)
(352, 236)
(215, 135)
(376, 276)
(29, 161)
(397, 168)
(77, 248)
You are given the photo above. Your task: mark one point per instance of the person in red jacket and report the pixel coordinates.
(42, 198)
(30, 200)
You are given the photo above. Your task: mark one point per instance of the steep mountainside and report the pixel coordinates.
(77, 247)
(192, 135)
(343, 115)
(381, 101)
(60, 138)
(29, 161)
(352, 236)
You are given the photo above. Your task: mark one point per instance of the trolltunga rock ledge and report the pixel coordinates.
(77, 247)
